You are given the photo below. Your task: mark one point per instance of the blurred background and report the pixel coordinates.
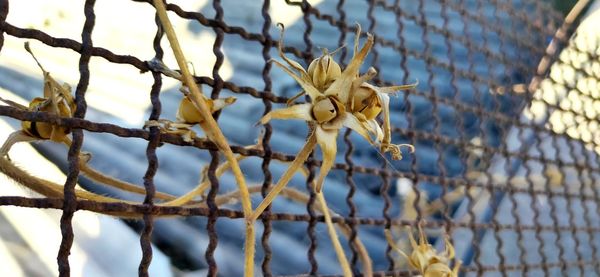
(490, 151)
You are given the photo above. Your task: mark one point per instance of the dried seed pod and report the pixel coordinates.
(324, 110)
(366, 102)
(57, 100)
(189, 114)
(44, 130)
(324, 70)
(424, 257)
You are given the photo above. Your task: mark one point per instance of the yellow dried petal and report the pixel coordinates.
(327, 140)
(350, 121)
(373, 127)
(305, 83)
(300, 111)
(45, 130)
(366, 102)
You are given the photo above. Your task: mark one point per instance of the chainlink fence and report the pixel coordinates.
(504, 121)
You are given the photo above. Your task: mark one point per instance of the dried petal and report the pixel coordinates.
(327, 140)
(290, 101)
(44, 130)
(300, 111)
(306, 84)
(350, 121)
(295, 65)
(394, 89)
(366, 102)
(342, 86)
(374, 128)
(438, 270)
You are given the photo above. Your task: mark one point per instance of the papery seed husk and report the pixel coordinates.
(366, 102)
(44, 130)
(324, 70)
(324, 110)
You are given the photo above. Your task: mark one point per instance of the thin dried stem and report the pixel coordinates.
(102, 178)
(202, 186)
(334, 237)
(45, 187)
(213, 132)
(301, 197)
(392, 243)
(13, 138)
(289, 173)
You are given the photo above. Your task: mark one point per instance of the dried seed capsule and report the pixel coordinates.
(324, 110)
(366, 102)
(44, 130)
(188, 114)
(323, 71)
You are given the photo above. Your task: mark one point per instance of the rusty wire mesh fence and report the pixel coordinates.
(504, 124)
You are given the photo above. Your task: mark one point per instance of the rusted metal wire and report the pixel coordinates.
(153, 143)
(531, 24)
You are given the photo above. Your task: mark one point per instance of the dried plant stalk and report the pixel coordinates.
(301, 197)
(102, 178)
(201, 187)
(45, 187)
(287, 175)
(213, 132)
(334, 237)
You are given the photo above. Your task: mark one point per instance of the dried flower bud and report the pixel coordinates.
(323, 71)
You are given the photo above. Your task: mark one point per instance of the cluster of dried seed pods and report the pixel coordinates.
(424, 257)
(340, 98)
(57, 100)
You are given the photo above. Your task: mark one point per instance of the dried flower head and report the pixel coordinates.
(327, 112)
(425, 258)
(57, 100)
(339, 99)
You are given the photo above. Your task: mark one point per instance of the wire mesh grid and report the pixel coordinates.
(482, 77)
